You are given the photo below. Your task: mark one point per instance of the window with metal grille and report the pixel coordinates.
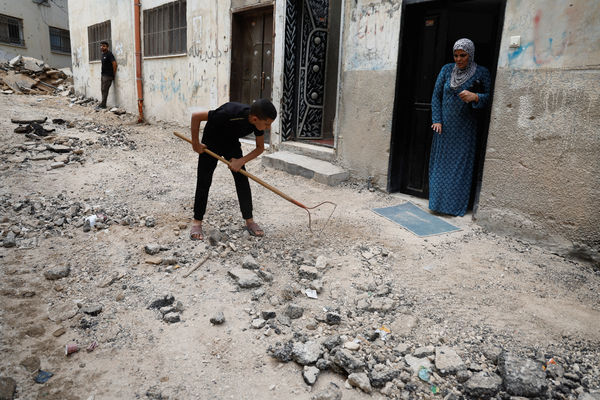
(11, 30)
(165, 29)
(60, 40)
(96, 34)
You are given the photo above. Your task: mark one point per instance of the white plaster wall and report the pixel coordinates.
(278, 66)
(370, 37)
(174, 86)
(36, 22)
(86, 74)
(542, 170)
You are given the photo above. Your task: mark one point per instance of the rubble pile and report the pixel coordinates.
(25, 220)
(109, 136)
(27, 75)
(373, 338)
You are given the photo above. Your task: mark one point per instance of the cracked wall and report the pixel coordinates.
(542, 171)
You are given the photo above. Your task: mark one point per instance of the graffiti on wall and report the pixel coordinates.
(560, 35)
(204, 53)
(168, 83)
(373, 36)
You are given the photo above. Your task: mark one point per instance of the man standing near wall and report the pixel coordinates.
(109, 70)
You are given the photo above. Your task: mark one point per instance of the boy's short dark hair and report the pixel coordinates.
(104, 42)
(263, 109)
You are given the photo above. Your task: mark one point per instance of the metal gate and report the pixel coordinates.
(304, 70)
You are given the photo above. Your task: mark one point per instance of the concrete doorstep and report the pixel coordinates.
(296, 164)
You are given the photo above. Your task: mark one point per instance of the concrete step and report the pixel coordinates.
(310, 150)
(297, 164)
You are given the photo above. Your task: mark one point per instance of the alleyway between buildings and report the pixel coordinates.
(468, 314)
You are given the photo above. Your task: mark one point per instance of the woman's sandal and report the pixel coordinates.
(254, 230)
(196, 232)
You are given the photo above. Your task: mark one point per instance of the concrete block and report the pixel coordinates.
(296, 164)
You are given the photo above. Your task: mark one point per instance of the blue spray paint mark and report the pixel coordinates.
(517, 52)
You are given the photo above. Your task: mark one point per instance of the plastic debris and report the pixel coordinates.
(424, 374)
(311, 293)
(549, 362)
(92, 346)
(43, 376)
(434, 389)
(382, 332)
(71, 348)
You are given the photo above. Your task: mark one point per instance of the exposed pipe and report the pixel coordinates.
(137, 6)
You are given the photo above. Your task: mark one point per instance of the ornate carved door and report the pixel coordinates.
(306, 35)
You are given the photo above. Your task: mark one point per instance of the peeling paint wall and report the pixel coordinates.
(542, 169)
(173, 86)
(370, 39)
(37, 19)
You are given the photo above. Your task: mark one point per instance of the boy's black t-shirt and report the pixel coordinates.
(228, 123)
(107, 68)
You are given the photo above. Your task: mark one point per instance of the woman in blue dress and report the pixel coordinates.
(460, 88)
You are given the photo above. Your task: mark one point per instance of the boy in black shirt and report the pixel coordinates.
(109, 70)
(224, 127)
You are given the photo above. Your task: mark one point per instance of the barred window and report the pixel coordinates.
(11, 30)
(96, 34)
(60, 40)
(165, 29)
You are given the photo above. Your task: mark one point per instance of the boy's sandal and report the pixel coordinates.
(254, 230)
(196, 232)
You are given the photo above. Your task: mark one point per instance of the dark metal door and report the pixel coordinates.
(428, 34)
(306, 35)
(251, 67)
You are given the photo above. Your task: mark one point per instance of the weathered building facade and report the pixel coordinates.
(353, 79)
(35, 28)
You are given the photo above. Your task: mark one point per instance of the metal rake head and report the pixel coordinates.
(308, 211)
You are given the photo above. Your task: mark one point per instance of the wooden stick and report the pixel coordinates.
(197, 266)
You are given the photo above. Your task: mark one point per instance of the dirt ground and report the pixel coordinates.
(469, 289)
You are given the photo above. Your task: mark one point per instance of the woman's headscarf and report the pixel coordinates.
(460, 76)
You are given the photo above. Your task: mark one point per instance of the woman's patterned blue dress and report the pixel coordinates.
(453, 152)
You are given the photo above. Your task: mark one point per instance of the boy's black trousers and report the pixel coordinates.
(206, 167)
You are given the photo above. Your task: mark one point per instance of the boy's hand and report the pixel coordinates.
(199, 147)
(236, 164)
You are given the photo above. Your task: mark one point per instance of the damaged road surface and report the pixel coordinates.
(103, 295)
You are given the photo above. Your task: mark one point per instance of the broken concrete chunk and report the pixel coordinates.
(218, 318)
(172, 317)
(59, 272)
(310, 374)
(294, 311)
(245, 278)
(361, 381)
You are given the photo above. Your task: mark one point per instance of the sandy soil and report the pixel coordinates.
(468, 289)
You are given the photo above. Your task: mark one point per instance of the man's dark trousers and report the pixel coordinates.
(105, 85)
(206, 167)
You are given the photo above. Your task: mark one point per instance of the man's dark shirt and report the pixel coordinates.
(107, 67)
(227, 124)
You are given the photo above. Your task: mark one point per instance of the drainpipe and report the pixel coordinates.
(137, 6)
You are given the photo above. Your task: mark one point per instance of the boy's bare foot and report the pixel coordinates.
(196, 231)
(254, 229)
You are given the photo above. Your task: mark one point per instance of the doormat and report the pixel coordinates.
(419, 222)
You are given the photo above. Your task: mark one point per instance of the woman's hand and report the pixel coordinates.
(437, 127)
(468, 97)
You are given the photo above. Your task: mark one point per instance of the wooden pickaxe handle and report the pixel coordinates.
(246, 173)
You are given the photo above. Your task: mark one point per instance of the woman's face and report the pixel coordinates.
(461, 58)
